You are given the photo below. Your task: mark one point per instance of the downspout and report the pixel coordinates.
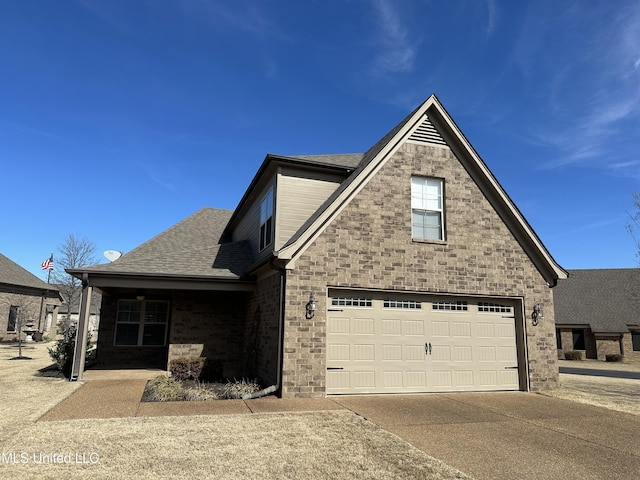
(274, 388)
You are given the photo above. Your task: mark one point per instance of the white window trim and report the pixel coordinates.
(439, 210)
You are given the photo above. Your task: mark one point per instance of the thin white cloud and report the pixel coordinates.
(493, 17)
(587, 74)
(397, 52)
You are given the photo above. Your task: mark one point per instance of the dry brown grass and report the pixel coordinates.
(337, 445)
(618, 394)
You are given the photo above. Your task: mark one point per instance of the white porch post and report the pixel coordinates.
(80, 350)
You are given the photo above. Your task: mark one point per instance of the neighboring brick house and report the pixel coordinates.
(24, 298)
(403, 269)
(69, 310)
(598, 312)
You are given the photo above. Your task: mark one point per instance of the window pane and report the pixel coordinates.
(418, 194)
(155, 312)
(433, 192)
(635, 340)
(578, 339)
(153, 334)
(13, 317)
(127, 334)
(426, 225)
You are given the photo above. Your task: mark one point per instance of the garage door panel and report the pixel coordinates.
(463, 379)
(392, 326)
(486, 354)
(413, 327)
(462, 354)
(364, 379)
(364, 352)
(363, 326)
(416, 379)
(440, 353)
(460, 329)
(486, 330)
(391, 353)
(339, 352)
(339, 325)
(442, 379)
(488, 378)
(440, 329)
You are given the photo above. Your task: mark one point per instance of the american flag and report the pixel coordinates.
(47, 264)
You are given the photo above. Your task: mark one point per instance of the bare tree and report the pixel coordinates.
(74, 252)
(634, 226)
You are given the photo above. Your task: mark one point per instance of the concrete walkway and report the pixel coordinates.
(505, 435)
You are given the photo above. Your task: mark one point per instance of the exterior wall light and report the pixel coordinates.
(311, 306)
(537, 314)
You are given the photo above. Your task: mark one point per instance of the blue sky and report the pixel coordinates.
(119, 118)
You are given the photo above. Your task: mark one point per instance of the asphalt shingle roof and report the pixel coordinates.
(347, 160)
(13, 274)
(606, 299)
(193, 247)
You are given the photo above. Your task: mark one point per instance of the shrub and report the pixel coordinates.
(238, 388)
(62, 352)
(613, 357)
(187, 368)
(165, 389)
(199, 391)
(573, 355)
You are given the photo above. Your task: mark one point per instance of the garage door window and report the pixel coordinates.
(405, 304)
(351, 302)
(451, 306)
(494, 308)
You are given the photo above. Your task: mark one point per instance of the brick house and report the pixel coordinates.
(403, 269)
(24, 298)
(597, 311)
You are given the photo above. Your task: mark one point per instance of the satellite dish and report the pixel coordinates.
(112, 255)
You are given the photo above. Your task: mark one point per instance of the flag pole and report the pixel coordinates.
(45, 293)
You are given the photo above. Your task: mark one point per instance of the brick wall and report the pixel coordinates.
(607, 346)
(211, 325)
(261, 332)
(29, 304)
(369, 245)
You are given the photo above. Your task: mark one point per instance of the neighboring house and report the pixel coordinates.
(70, 311)
(598, 311)
(24, 298)
(403, 269)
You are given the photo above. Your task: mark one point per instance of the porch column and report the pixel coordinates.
(80, 350)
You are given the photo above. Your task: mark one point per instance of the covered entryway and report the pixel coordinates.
(402, 343)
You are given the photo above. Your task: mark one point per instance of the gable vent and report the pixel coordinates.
(427, 133)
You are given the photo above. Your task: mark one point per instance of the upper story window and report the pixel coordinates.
(427, 208)
(266, 219)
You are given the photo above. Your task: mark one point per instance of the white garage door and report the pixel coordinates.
(380, 343)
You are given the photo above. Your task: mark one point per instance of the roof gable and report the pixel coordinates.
(428, 123)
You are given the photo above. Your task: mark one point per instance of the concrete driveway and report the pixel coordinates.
(511, 435)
